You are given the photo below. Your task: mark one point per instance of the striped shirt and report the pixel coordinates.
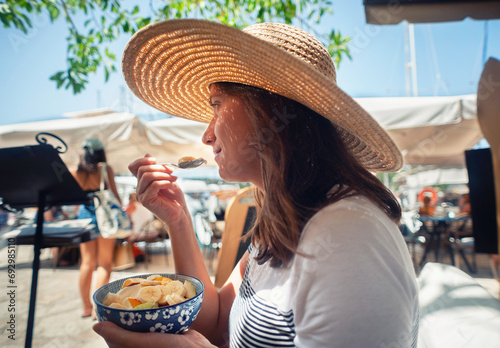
(351, 243)
(261, 324)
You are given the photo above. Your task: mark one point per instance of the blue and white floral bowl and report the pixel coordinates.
(167, 319)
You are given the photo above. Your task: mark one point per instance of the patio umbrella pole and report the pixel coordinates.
(36, 267)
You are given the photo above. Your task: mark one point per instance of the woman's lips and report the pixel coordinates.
(217, 152)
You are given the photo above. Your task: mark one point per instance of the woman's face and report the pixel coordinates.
(229, 133)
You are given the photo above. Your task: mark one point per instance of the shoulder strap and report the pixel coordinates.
(104, 176)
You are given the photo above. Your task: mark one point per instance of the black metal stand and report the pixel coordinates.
(35, 176)
(36, 267)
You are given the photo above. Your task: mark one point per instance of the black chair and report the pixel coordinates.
(209, 238)
(462, 243)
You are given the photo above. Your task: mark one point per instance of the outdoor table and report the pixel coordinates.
(440, 228)
(55, 233)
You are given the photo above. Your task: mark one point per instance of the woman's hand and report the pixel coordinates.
(117, 337)
(158, 192)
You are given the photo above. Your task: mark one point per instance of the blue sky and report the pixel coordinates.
(449, 62)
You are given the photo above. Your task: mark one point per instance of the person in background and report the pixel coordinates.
(327, 265)
(139, 216)
(427, 209)
(98, 252)
(53, 214)
(464, 205)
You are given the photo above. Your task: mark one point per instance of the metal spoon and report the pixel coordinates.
(187, 162)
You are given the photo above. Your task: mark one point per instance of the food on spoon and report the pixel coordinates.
(190, 162)
(150, 293)
(186, 159)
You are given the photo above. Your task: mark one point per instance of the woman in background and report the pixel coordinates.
(97, 252)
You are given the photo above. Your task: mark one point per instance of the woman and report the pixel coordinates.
(327, 265)
(98, 251)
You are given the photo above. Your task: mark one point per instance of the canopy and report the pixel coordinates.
(425, 11)
(432, 177)
(125, 137)
(429, 131)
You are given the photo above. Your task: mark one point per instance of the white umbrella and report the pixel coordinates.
(429, 130)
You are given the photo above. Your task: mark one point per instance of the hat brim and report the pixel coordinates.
(170, 66)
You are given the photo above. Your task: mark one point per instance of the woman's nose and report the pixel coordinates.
(208, 137)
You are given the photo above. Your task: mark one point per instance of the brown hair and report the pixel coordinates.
(302, 158)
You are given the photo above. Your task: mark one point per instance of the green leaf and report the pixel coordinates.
(58, 78)
(110, 54)
(126, 27)
(5, 9)
(53, 12)
(19, 24)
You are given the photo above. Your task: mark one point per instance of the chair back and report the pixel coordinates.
(239, 218)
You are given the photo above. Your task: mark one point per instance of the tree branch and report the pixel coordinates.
(68, 17)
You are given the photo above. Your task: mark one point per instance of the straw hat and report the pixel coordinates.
(170, 66)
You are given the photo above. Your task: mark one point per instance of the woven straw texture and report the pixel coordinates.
(170, 66)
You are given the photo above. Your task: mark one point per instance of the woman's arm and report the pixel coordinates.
(157, 191)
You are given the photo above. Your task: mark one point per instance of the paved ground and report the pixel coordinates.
(58, 323)
(58, 308)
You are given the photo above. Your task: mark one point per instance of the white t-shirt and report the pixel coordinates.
(355, 288)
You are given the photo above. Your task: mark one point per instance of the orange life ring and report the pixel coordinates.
(428, 191)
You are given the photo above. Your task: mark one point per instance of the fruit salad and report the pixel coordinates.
(152, 292)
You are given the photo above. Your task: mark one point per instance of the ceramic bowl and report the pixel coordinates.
(167, 319)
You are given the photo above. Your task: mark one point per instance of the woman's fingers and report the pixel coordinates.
(157, 178)
(154, 168)
(135, 165)
(117, 337)
(156, 189)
